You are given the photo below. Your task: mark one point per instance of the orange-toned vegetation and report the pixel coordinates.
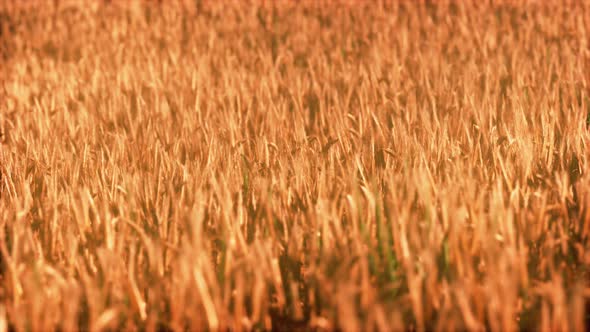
(294, 165)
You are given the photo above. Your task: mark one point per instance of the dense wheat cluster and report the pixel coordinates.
(294, 165)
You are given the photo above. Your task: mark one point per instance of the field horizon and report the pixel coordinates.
(294, 165)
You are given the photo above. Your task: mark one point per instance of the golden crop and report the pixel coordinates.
(294, 165)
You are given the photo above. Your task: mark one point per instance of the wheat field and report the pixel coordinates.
(294, 165)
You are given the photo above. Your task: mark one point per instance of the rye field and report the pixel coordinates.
(294, 165)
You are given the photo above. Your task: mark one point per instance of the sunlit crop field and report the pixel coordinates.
(294, 165)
